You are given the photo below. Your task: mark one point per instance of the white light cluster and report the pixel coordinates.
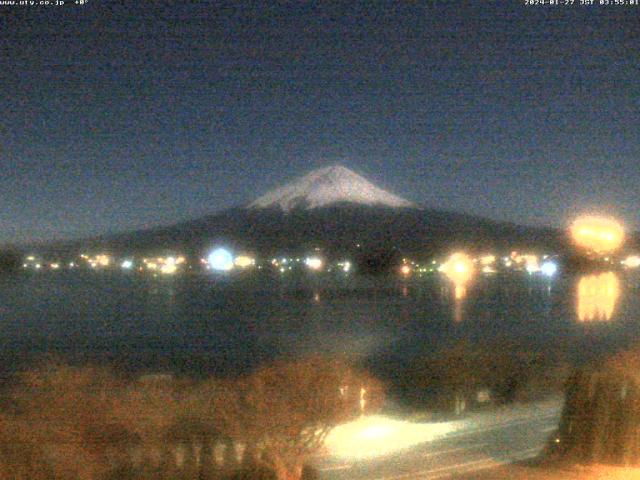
(220, 260)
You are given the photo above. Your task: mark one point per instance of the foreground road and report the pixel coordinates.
(478, 442)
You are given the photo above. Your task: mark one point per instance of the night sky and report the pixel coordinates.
(117, 115)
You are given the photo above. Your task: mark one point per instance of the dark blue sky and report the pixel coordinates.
(117, 115)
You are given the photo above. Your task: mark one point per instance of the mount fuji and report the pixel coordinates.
(329, 186)
(334, 209)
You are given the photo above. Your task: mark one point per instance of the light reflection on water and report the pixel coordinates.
(597, 296)
(202, 324)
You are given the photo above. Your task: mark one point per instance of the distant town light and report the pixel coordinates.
(459, 269)
(405, 270)
(127, 264)
(549, 268)
(220, 259)
(487, 260)
(314, 263)
(244, 261)
(632, 261)
(168, 268)
(597, 234)
(531, 262)
(532, 268)
(103, 260)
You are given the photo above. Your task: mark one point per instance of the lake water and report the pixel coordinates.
(201, 325)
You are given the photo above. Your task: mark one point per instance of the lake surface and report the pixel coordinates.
(201, 325)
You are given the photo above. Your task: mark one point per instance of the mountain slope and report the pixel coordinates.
(338, 228)
(331, 208)
(328, 186)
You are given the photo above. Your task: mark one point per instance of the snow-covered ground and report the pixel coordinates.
(386, 448)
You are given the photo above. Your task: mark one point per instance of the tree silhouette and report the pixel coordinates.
(285, 411)
(9, 260)
(601, 417)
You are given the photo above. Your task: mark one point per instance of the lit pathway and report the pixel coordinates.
(379, 448)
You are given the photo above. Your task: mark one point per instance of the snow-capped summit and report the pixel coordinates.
(327, 186)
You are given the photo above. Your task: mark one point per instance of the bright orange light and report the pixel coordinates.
(405, 270)
(597, 234)
(459, 269)
(597, 296)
